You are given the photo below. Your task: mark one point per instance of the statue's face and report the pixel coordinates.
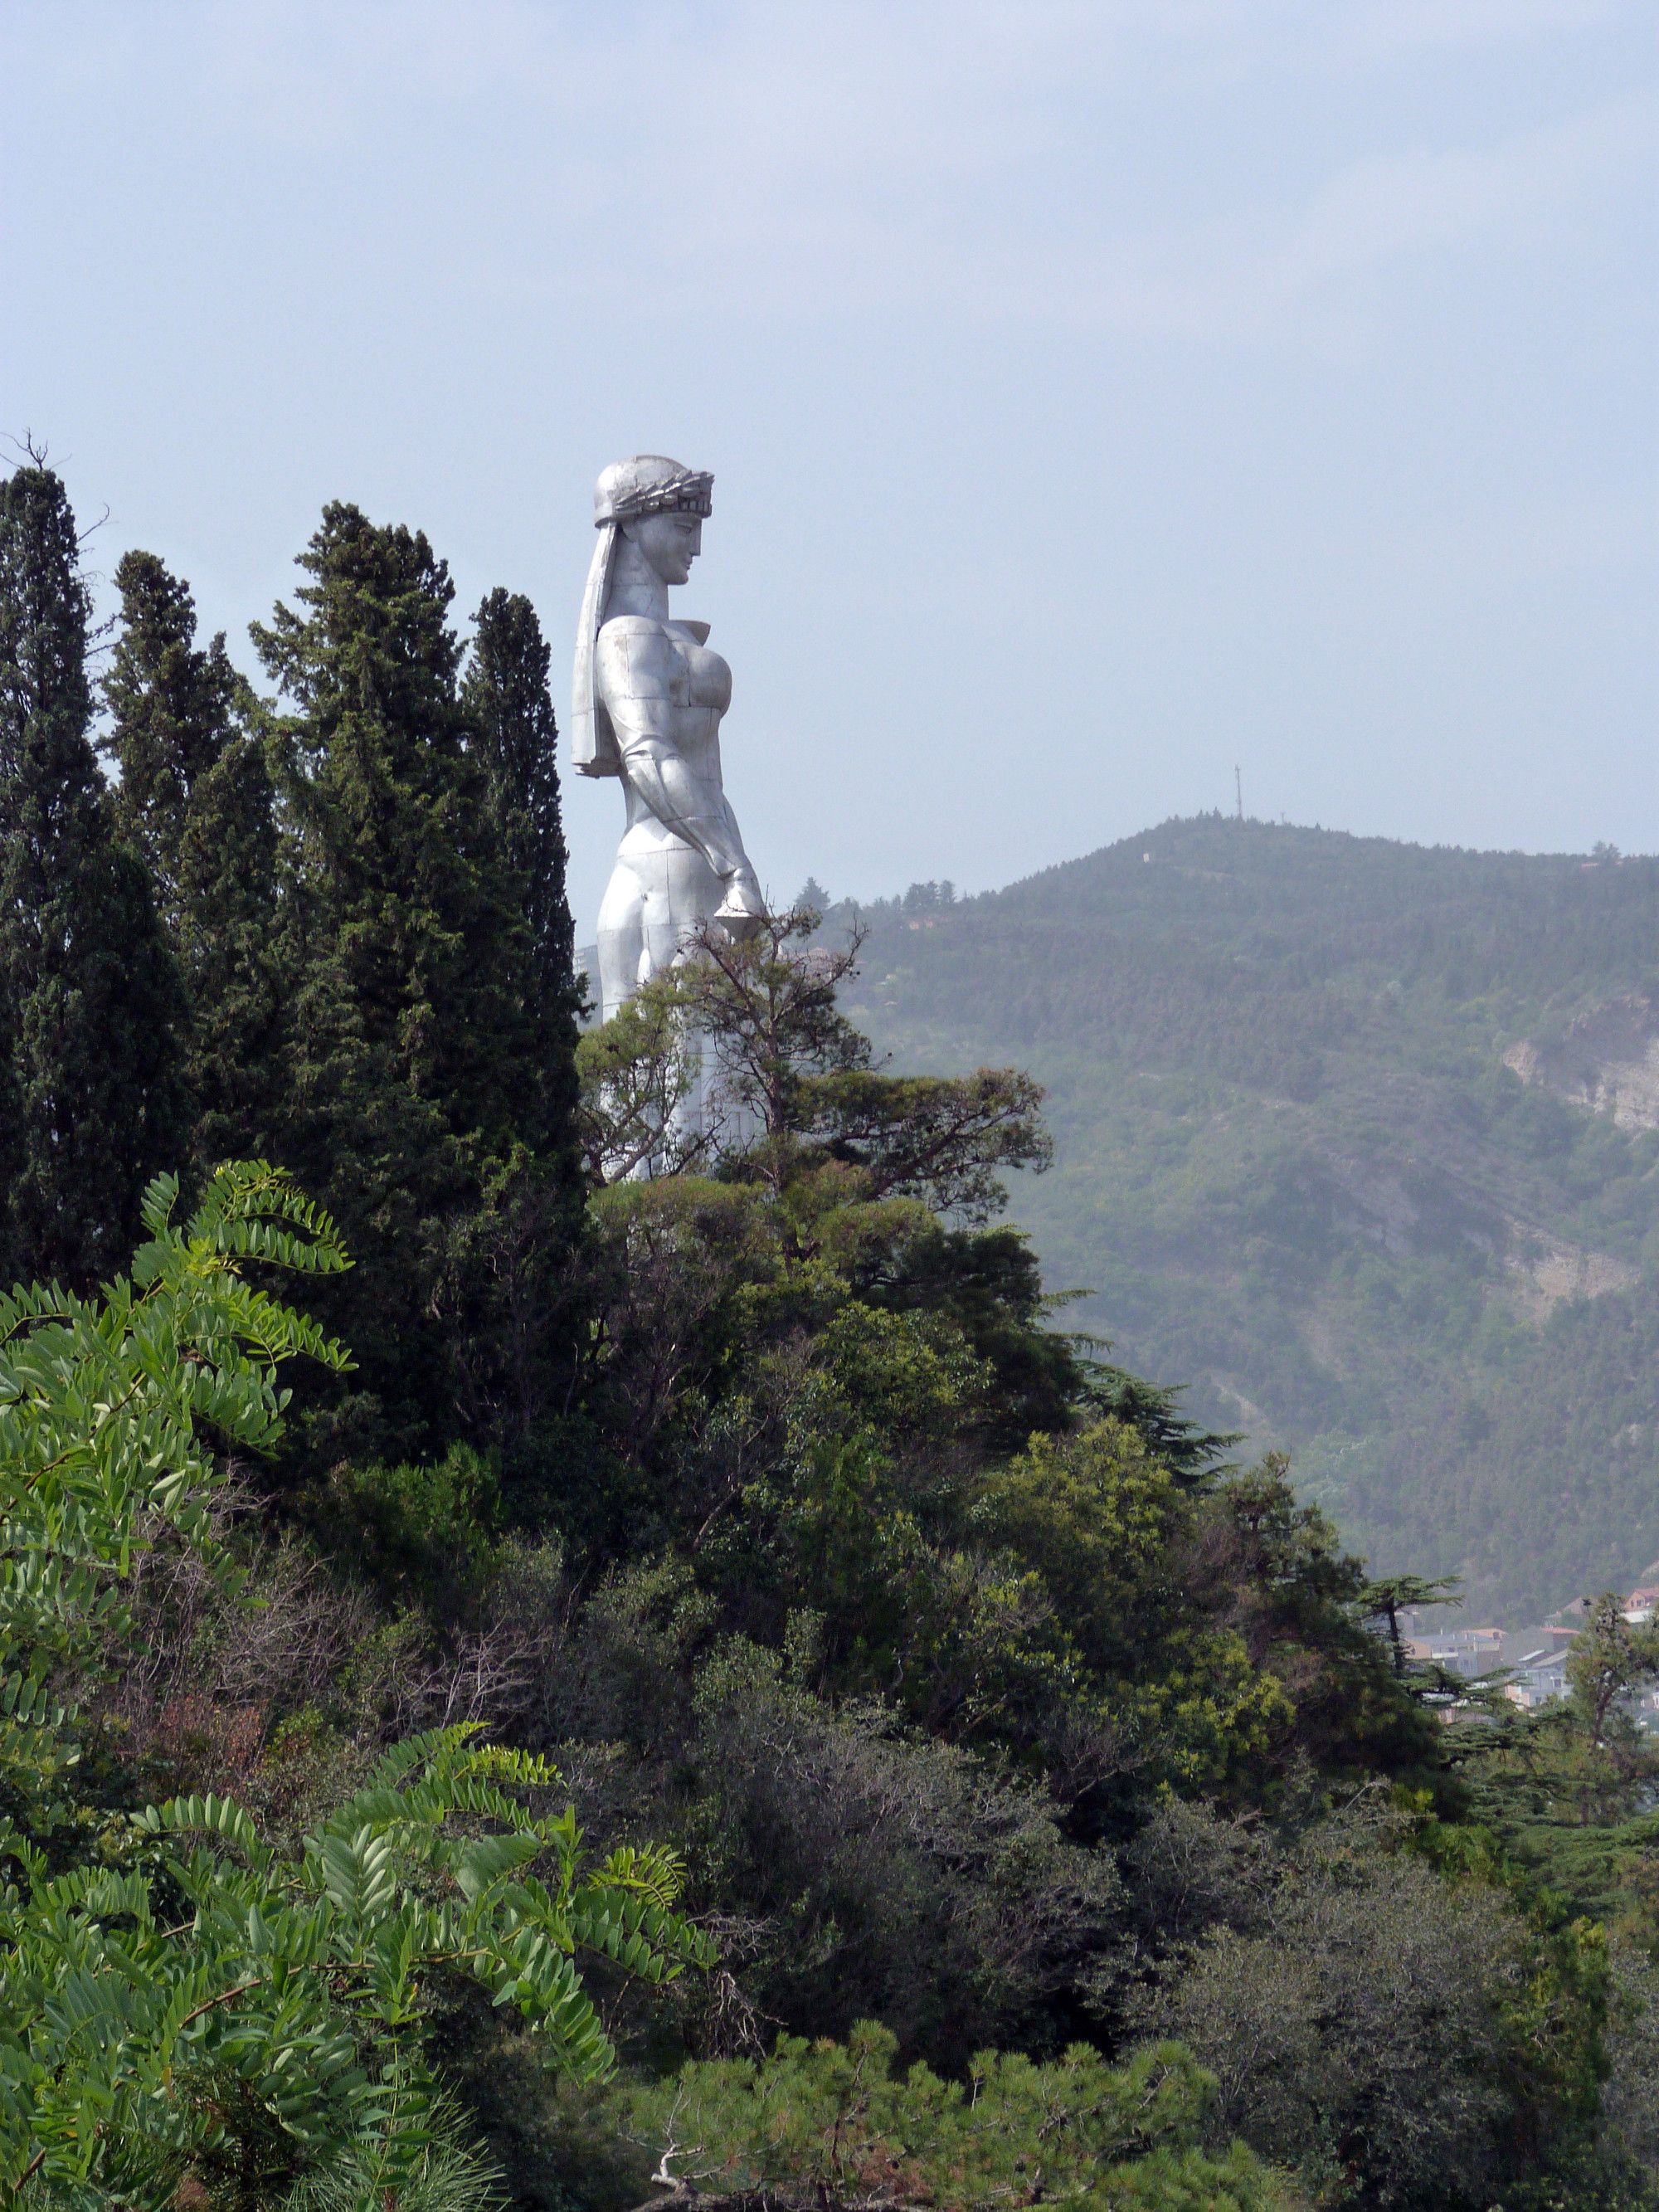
(671, 543)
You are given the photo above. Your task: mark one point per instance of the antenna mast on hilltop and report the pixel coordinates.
(1238, 792)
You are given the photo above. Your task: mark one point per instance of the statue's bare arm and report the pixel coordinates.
(683, 801)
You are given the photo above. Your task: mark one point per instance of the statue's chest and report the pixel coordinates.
(697, 677)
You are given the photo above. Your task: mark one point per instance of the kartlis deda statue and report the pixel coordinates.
(648, 699)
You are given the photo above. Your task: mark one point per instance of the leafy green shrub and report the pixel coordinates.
(110, 1411)
(188, 2001)
(304, 1982)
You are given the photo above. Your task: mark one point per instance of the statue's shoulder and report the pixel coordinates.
(635, 647)
(621, 626)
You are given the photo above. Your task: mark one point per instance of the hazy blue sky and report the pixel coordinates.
(1097, 395)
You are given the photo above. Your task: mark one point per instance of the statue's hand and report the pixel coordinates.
(742, 909)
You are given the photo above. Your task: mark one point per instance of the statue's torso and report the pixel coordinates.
(660, 677)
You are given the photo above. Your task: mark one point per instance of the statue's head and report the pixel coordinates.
(658, 507)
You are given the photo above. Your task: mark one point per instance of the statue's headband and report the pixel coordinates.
(626, 492)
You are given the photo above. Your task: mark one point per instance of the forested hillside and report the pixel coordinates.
(1357, 1140)
(555, 1651)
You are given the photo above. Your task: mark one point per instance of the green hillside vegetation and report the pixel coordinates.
(1294, 1172)
(524, 1683)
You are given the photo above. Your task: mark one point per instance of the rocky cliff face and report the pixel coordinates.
(1606, 1059)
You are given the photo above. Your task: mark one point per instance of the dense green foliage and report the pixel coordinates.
(1296, 1174)
(999, 1788)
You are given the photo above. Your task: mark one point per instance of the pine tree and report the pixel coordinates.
(94, 1003)
(413, 1054)
(171, 708)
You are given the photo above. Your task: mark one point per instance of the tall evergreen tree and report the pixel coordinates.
(95, 1006)
(13, 1152)
(231, 941)
(196, 799)
(507, 696)
(414, 1049)
(171, 708)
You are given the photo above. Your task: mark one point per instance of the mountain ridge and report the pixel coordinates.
(1332, 1151)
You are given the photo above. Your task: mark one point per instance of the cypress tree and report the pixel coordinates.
(196, 799)
(12, 1151)
(413, 1051)
(171, 709)
(94, 1001)
(511, 707)
(231, 940)
(525, 1296)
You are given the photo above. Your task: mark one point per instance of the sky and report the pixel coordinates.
(1100, 398)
